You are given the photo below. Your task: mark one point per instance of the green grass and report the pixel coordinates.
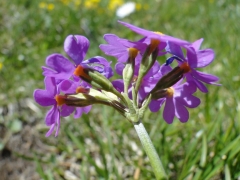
(102, 144)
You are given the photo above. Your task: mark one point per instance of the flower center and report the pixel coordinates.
(81, 72)
(159, 33)
(185, 67)
(83, 90)
(153, 45)
(132, 52)
(170, 92)
(60, 100)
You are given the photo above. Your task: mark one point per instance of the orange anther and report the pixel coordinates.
(185, 67)
(81, 72)
(60, 100)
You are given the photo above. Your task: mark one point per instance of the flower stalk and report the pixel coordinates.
(150, 151)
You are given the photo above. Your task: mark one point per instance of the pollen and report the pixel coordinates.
(185, 67)
(80, 72)
(153, 45)
(159, 33)
(60, 100)
(170, 92)
(133, 52)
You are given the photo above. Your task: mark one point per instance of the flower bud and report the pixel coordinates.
(128, 71)
(169, 79)
(93, 77)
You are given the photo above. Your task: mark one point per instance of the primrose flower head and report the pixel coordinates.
(73, 85)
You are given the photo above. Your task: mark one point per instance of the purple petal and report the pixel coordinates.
(113, 40)
(66, 110)
(86, 109)
(136, 29)
(61, 68)
(169, 110)
(205, 57)
(46, 97)
(185, 96)
(52, 116)
(76, 47)
(101, 65)
(174, 49)
(112, 50)
(165, 69)
(155, 105)
(68, 86)
(79, 111)
(123, 57)
(178, 41)
(118, 85)
(51, 129)
(186, 88)
(58, 127)
(119, 68)
(154, 35)
(190, 101)
(181, 112)
(197, 44)
(192, 57)
(198, 83)
(43, 98)
(205, 77)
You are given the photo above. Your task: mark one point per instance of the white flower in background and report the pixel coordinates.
(126, 9)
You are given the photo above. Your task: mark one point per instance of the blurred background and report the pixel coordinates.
(102, 144)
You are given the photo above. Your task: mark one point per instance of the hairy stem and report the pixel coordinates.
(150, 151)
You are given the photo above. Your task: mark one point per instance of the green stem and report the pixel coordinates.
(150, 151)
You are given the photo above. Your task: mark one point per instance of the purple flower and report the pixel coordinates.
(151, 35)
(70, 87)
(119, 48)
(50, 97)
(195, 58)
(178, 97)
(76, 47)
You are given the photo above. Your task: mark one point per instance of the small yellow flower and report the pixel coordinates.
(91, 3)
(42, 5)
(113, 4)
(50, 6)
(66, 2)
(77, 2)
(138, 6)
(1, 65)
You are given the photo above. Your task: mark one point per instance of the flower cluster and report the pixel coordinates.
(73, 86)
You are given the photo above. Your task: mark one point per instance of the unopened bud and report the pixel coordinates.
(153, 45)
(83, 90)
(168, 80)
(93, 77)
(82, 72)
(128, 73)
(132, 52)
